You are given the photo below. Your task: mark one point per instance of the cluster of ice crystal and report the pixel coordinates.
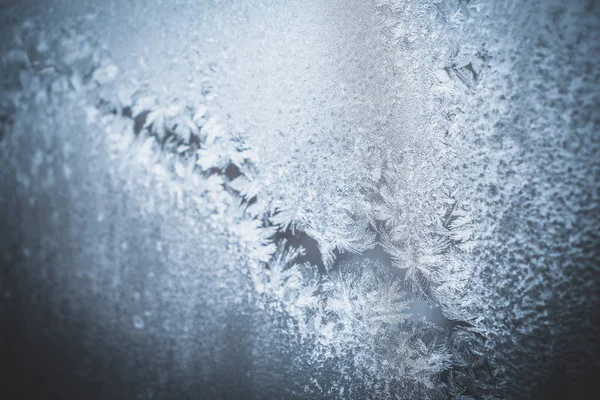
(469, 154)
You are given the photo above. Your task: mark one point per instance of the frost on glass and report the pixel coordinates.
(447, 159)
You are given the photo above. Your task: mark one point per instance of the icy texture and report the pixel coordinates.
(458, 136)
(531, 173)
(351, 323)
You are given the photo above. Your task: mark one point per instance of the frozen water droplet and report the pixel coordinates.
(138, 322)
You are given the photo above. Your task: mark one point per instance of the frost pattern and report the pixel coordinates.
(350, 317)
(481, 204)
